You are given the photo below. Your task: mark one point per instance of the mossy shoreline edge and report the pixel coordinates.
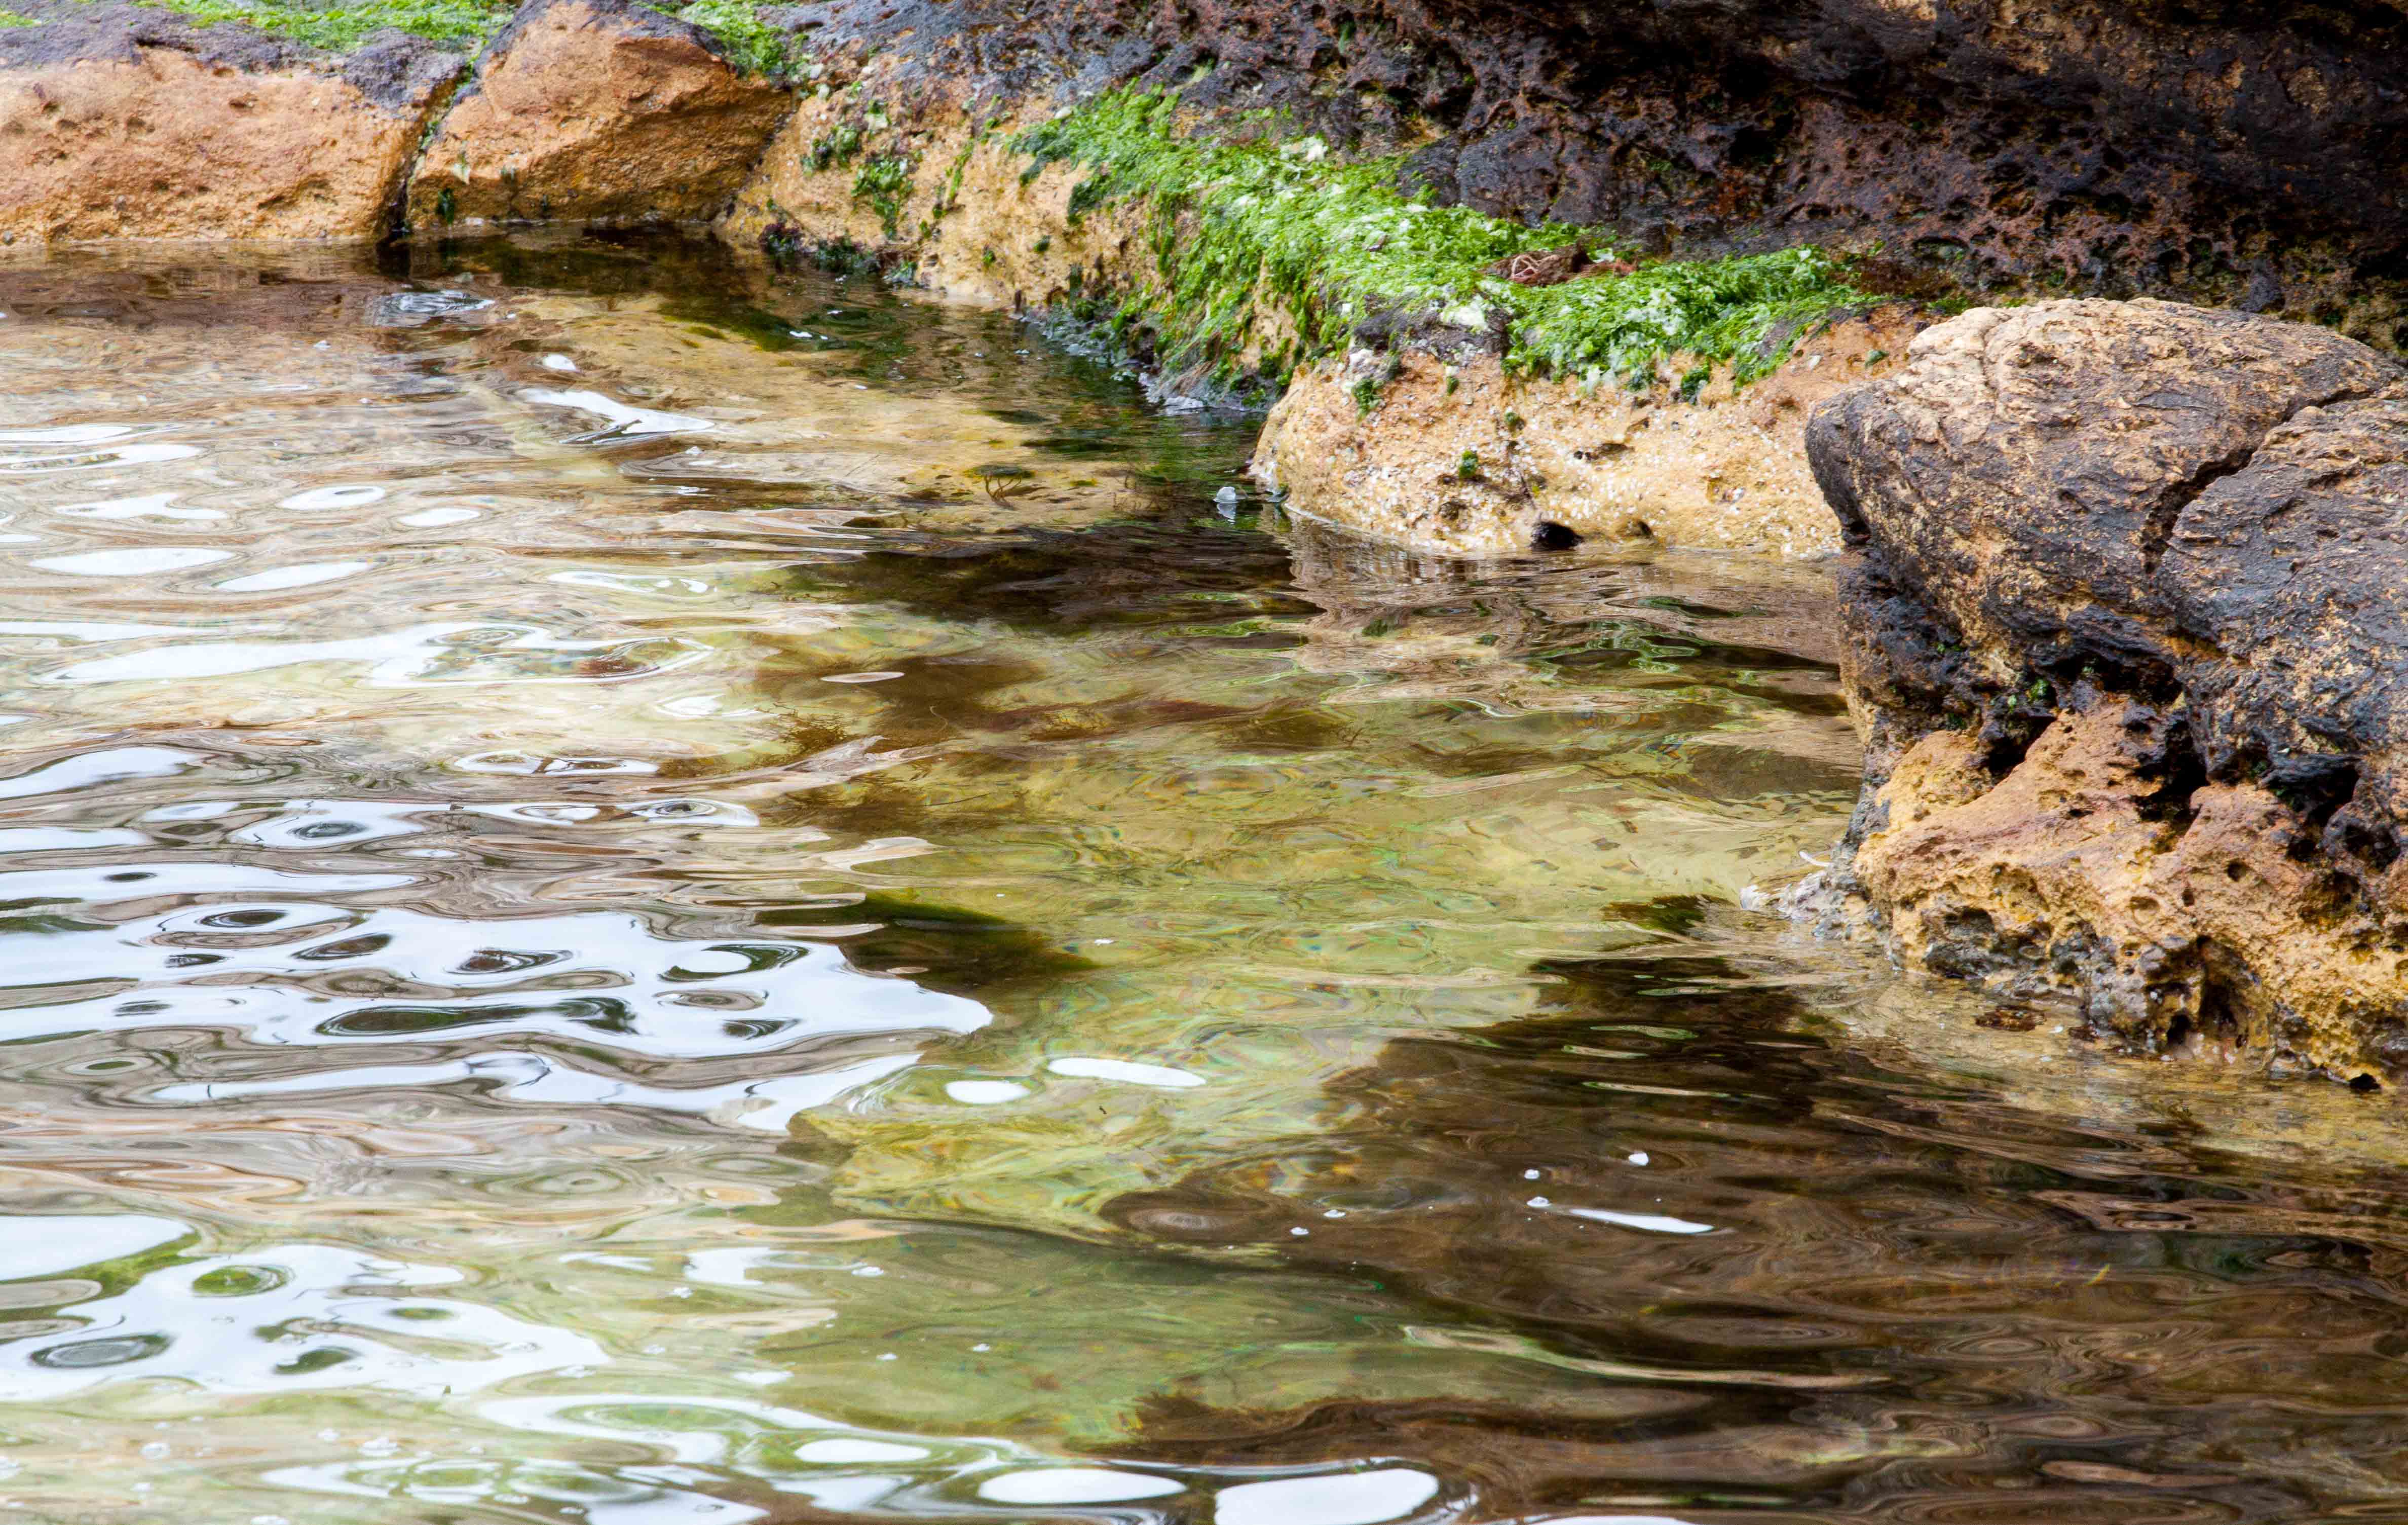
(1239, 225)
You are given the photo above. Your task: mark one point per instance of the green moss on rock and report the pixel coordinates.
(345, 25)
(884, 182)
(1333, 243)
(752, 43)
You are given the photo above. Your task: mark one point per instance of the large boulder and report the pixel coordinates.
(119, 121)
(2128, 629)
(597, 111)
(2024, 473)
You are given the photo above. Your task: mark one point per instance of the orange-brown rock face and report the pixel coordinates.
(599, 111)
(124, 125)
(2074, 878)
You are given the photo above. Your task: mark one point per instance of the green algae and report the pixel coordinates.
(751, 43)
(9, 18)
(884, 182)
(342, 27)
(1244, 229)
(836, 147)
(839, 257)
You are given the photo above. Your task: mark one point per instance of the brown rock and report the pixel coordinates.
(596, 110)
(2023, 473)
(2289, 577)
(2170, 499)
(2128, 629)
(127, 125)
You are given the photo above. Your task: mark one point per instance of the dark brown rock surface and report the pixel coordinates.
(2024, 473)
(2292, 573)
(2128, 628)
(2236, 155)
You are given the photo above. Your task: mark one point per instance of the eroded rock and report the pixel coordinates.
(2127, 630)
(597, 111)
(125, 123)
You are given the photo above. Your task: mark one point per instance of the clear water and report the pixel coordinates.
(638, 890)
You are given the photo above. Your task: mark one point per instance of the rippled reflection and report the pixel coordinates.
(278, 1319)
(595, 930)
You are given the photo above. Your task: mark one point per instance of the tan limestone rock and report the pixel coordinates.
(599, 111)
(1468, 460)
(972, 227)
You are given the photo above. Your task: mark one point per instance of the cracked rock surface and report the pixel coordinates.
(2127, 632)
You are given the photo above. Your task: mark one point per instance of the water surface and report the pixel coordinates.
(642, 890)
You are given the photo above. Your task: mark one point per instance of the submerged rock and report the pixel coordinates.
(596, 111)
(2127, 631)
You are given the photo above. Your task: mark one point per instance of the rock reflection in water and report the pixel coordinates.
(1850, 1293)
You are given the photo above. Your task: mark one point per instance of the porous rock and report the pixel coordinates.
(2128, 629)
(599, 111)
(125, 123)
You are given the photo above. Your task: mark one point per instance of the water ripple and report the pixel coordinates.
(814, 921)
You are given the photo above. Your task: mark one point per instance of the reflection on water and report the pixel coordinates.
(639, 890)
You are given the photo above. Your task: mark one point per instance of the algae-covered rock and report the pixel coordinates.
(2127, 627)
(127, 123)
(596, 110)
(2229, 153)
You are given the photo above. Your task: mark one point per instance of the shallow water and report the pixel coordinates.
(642, 891)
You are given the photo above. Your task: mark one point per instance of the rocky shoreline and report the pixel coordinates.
(1398, 417)
(1682, 153)
(2117, 622)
